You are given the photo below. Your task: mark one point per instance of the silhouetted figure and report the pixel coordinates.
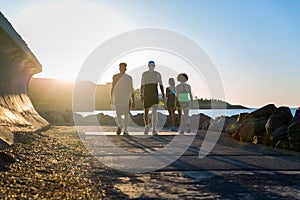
(172, 104)
(149, 96)
(122, 95)
(185, 98)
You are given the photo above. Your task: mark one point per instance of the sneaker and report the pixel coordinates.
(146, 131)
(119, 131)
(181, 132)
(125, 133)
(154, 133)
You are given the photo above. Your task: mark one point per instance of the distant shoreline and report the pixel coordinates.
(56, 95)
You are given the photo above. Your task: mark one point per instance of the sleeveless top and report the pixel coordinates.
(183, 92)
(171, 96)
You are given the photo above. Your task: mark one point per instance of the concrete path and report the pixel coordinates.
(232, 170)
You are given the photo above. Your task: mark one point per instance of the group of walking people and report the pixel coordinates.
(177, 97)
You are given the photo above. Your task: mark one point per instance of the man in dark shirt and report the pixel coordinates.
(149, 96)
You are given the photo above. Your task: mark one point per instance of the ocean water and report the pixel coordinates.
(213, 113)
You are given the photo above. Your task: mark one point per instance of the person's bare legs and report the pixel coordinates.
(126, 115)
(146, 117)
(154, 118)
(146, 120)
(119, 123)
(179, 116)
(172, 117)
(186, 119)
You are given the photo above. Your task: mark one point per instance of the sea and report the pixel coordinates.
(213, 113)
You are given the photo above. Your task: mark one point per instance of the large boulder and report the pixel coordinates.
(280, 134)
(294, 135)
(264, 112)
(281, 116)
(200, 120)
(260, 139)
(138, 119)
(283, 145)
(106, 119)
(95, 120)
(223, 123)
(166, 119)
(58, 117)
(251, 127)
(234, 129)
(79, 119)
(241, 117)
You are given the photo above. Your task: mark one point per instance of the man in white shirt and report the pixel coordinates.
(122, 95)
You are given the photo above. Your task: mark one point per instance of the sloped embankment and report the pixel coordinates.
(17, 66)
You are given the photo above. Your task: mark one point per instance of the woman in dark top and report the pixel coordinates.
(172, 104)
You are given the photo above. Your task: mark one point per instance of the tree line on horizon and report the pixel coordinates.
(56, 95)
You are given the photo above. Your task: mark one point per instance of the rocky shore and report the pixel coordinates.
(268, 125)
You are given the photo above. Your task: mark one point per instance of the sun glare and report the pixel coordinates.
(63, 33)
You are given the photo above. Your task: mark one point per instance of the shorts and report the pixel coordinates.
(150, 95)
(184, 105)
(150, 101)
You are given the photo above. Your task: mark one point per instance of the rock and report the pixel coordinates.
(6, 159)
(79, 119)
(89, 120)
(59, 118)
(281, 116)
(294, 135)
(202, 120)
(279, 134)
(264, 112)
(241, 117)
(138, 119)
(294, 131)
(260, 139)
(234, 129)
(162, 120)
(296, 117)
(105, 119)
(223, 123)
(251, 127)
(295, 146)
(283, 145)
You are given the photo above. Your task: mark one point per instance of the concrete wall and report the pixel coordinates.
(17, 66)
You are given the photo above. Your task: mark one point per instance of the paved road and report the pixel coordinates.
(232, 170)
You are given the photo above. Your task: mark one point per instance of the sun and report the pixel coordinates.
(63, 33)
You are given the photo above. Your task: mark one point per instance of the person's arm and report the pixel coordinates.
(142, 88)
(191, 96)
(112, 89)
(177, 91)
(132, 94)
(161, 85)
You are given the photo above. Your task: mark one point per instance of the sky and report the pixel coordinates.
(254, 44)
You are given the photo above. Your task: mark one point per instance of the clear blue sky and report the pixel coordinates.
(255, 44)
